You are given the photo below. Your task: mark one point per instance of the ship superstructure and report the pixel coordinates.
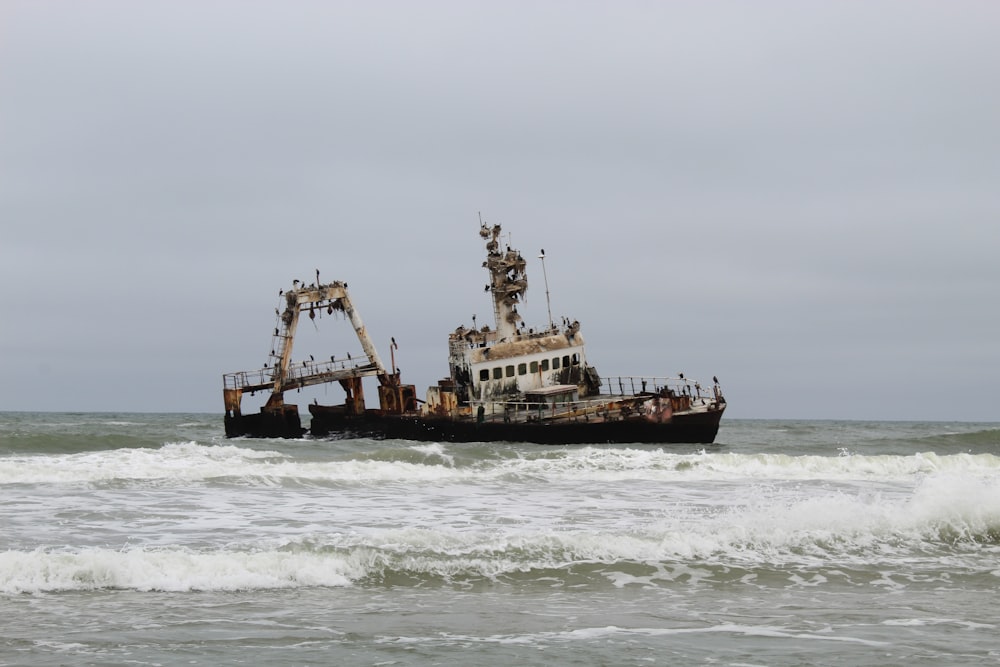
(510, 360)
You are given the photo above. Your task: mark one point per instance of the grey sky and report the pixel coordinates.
(800, 197)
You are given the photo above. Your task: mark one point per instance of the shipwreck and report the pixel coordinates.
(505, 383)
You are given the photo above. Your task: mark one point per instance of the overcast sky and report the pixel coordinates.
(799, 197)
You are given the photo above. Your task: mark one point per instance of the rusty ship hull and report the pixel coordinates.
(698, 428)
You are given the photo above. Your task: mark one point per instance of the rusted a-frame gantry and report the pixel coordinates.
(281, 375)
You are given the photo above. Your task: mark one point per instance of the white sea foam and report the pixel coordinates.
(180, 462)
(925, 622)
(946, 519)
(942, 512)
(190, 461)
(490, 518)
(168, 570)
(435, 449)
(603, 633)
(831, 529)
(614, 464)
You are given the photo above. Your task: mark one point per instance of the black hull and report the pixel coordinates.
(281, 423)
(695, 428)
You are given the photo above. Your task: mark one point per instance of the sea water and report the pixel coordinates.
(150, 539)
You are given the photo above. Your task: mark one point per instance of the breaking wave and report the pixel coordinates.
(949, 523)
(187, 462)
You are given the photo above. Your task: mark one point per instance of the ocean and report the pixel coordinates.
(151, 539)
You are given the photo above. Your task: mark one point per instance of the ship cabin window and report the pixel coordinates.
(497, 373)
(576, 359)
(509, 371)
(522, 369)
(534, 367)
(484, 375)
(544, 365)
(565, 361)
(555, 364)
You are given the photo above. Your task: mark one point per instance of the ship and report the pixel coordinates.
(505, 383)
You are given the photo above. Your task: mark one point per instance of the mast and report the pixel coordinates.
(548, 304)
(508, 281)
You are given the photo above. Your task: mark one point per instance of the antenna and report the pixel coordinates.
(545, 275)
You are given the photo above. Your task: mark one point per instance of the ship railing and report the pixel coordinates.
(528, 411)
(334, 368)
(617, 391)
(629, 385)
(606, 407)
(243, 380)
(301, 373)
